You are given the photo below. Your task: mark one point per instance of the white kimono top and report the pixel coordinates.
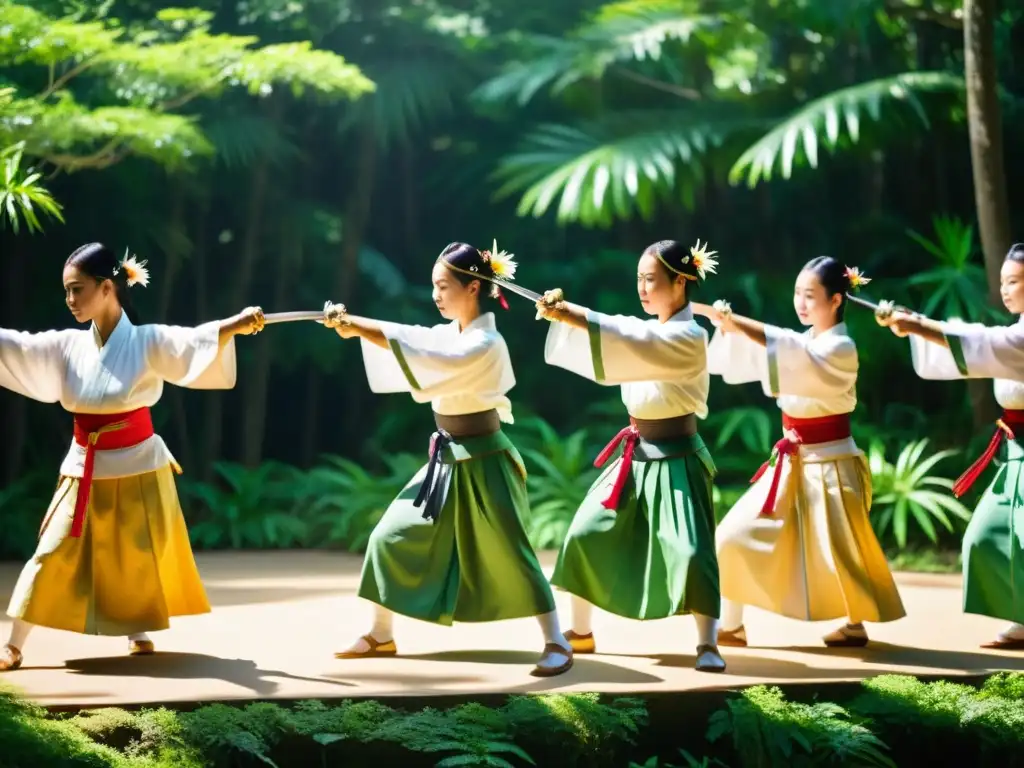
(976, 351)
(810, 376)
(661, 367)
(456, 372)
(74, 368)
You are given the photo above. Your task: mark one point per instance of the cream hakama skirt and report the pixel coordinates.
(816, 557)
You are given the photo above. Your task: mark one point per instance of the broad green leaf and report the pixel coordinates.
(818, 122)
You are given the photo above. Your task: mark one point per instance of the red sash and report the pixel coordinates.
(105, 432)
(824, 429)
(1005, 426)
(630, 434)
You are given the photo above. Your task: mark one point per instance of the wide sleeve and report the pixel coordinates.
(975, 352)
(803, 366)
(430, 362)
(616, 349)
(737, 359)
(191, 357)
(33, 364)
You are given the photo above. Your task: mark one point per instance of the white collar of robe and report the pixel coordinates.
(839, 329)
(122, 327)
(686, 313)
(485, 321)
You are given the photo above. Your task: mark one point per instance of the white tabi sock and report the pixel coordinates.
(582, 616)
(1013, 632)
(552, 630)
(139, 637)
(19, 634)
(855, 628)
(732, 615)
(707, 630)
(383, 625)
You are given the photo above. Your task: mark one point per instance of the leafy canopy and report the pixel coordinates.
(111, 91)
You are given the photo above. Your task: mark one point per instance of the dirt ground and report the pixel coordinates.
(278, 618)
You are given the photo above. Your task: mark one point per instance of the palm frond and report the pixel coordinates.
(413, 92)
(630, 31)
(239, 139)
(612, 168)
(820, 122)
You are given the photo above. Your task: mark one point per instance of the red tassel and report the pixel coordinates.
(783, 448)
(501, 300)
(630, 435)
(973, 472)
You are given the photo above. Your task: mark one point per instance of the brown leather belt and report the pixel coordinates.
(469, 424)
(666, 429)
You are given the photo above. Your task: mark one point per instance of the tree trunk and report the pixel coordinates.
(986, 130)
(16, 410)
(254, 425)
(175, 258)
(213, 402)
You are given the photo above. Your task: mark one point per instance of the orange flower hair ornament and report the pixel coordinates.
(856, 278)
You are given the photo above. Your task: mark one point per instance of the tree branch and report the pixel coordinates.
(902, 9)
(675, 90)
(110, 154)
(63, 79)
(185, 98)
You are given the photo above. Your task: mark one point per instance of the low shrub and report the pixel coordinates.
(893, 720)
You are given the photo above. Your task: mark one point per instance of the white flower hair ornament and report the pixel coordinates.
(704, 261)
(502, 263)
(135, 271)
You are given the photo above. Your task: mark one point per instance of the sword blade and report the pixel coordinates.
(526, 293)
(862, 302)
(291, 317)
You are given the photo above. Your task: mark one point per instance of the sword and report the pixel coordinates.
(883, 307)
(291, 317)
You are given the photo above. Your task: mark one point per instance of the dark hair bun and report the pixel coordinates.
(692, 263)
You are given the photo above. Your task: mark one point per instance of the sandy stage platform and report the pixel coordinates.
(278, 618)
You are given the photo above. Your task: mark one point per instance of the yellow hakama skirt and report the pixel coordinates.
(129, 572)
(817, 557)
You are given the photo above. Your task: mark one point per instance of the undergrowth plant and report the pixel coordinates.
(893, 720)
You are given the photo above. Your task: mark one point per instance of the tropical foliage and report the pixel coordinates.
(284, 153)
(886, 721)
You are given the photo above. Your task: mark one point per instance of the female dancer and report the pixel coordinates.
(799, 542)
(113, 556)
(993, 555)
(642, 542)
(452, 547)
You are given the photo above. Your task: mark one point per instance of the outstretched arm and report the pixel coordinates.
(248, 322)
(553, 306)
(352, 326)
(904, 324)
(730, 323)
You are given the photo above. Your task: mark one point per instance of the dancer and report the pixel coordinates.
(113, 556)
(452, 546)
(641, 545)
(993, 553)
(799, 542)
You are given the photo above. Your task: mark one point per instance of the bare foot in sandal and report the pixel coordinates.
(368, 647)
(847, 636)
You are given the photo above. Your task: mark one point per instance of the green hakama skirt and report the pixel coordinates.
(474, 562)
(993, 547)
(654, 556)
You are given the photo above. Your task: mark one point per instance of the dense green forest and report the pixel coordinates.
(287, 152)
